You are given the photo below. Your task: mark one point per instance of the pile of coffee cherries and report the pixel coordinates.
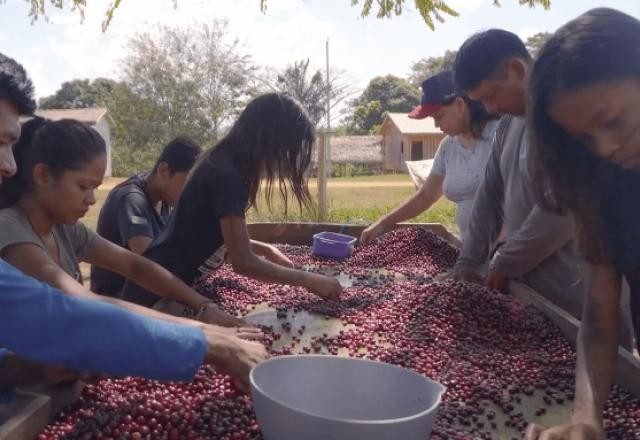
(504, 364)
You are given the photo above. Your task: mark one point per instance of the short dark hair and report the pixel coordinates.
(15, 85)
(482, 54)
(180, 154)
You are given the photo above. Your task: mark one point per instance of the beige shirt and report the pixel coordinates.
(73, 241)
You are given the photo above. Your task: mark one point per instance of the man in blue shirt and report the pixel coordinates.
(41, 325)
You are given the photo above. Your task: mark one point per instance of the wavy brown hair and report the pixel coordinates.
(601, 45)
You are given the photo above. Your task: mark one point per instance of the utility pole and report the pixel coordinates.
(328, 135)
(324, 152)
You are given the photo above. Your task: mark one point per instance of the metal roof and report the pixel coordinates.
(407, 125)
(89, 115)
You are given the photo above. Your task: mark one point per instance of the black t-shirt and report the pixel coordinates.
(191, 242)
(126, 213)
(620, 209)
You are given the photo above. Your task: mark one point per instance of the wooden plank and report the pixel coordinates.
(627, 373)
(322, 177)
(302, 233)
(25, 416)
(33, 408)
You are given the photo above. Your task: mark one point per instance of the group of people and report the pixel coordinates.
(144, 261)
(546, 196)
(542, 159)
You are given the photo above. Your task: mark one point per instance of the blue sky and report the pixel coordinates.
(63, 49)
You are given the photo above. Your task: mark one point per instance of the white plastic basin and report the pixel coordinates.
(316, 397)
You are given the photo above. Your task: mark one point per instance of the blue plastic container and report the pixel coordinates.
(333, 245)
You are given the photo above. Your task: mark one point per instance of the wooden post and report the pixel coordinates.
(322, 177)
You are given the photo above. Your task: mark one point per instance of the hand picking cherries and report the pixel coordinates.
(504, 364)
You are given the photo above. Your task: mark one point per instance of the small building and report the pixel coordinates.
(94, 116)
(405, 139)
(363, 151)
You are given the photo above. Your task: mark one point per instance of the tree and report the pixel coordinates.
(535, 42)
(79, 93)
(178, 82)
(426, 67)
(135, 142)
(309, 88)
(383, 94)
(196, 78)
(430, 10)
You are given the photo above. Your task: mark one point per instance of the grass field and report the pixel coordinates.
(356, 200)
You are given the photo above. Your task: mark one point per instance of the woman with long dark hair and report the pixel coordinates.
(460, 161)
(268, 147)
(59, 166)
(585, 132)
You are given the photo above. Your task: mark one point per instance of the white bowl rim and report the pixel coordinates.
(443, 389)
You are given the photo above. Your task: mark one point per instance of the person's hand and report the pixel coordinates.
(496, 281)
(233, 355)
(465, 273)
(216, 316)
(247, 333)
(570, 431)
(274, 255)
(325, 287)
(371, 233)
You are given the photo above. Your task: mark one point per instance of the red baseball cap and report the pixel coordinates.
(435, 91)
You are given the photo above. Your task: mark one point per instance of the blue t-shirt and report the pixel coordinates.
(42, 324)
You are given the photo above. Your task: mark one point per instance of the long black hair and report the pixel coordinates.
(271, 142)
(600, 45)
(62, 145)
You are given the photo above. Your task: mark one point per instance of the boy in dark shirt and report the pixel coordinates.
(135, 210)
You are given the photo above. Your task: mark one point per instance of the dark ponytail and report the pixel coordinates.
(62, 145)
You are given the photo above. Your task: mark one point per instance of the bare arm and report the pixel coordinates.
(597, 343)
(271, 253)
(35, 262)
(139, 244)
(245, 262)
(423, 199)
(597, 350)
(143, 272)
